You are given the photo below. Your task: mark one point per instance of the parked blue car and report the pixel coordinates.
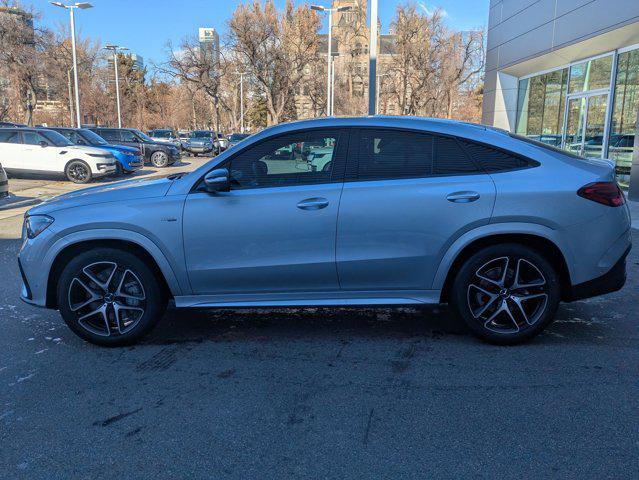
(129, 158)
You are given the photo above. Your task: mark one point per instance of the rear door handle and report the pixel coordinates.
(314, 203)
(462, 197)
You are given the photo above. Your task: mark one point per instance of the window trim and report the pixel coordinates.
(344, 137)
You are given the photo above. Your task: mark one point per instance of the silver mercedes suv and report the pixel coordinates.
(339, 211)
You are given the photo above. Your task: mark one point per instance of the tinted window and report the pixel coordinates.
(69, 134)
(296, 159)
(388, 154)
(127, 136)
(109, 135)
(492, 160)
(9, 137)
(450, 158)
(33, 138)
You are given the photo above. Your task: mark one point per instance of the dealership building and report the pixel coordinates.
(566, 72)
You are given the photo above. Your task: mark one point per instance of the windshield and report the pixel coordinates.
(92, 137)
(161, 133)
(57, 139)
(201, 134)
(236, 137)
(142, 135)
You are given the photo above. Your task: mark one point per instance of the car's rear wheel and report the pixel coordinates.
(78, 171)
(110, 297)
(159, 159)
(506, 293)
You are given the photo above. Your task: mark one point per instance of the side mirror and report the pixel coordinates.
(43, 144)
(217, 180)
(81, 142)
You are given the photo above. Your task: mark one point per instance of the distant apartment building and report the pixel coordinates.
(566, 72)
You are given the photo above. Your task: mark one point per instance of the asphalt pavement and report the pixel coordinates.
(319, 393)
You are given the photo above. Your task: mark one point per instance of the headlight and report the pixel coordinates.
(34, 225)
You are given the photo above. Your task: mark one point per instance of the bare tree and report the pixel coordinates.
(275, 47)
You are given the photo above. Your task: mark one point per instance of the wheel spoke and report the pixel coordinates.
(498, 283)
(520, 299)
(518, 284)
(491, 300)
(102, 311)
(92, 295)
(120, 293)
(103, 285)
(118, 308)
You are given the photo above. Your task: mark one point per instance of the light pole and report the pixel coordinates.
(114, 49)
(241, 74)
(372, 60)
(329, 90)
(71, 8)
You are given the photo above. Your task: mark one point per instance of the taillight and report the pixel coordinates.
(606, 193)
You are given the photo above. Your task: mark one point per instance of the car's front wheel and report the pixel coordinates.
(109, 296)
(159, 159)
(506, 293)
(78, 171)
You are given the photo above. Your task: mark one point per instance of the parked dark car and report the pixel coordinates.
(11, 125)
(201, 142)
(165, 135)
(158, 154)
(129, 158)
(236, 138)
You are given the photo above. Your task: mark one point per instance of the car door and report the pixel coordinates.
(274, 231)
(11, 149)
(39, 153)
(130, 139)
(407, 197)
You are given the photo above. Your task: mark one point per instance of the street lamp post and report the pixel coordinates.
(329, 70)
(372, 60)
(71, 8)
(114, 49)
(241, 74)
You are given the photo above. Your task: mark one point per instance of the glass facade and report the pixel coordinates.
(623, 127)
(578, 109)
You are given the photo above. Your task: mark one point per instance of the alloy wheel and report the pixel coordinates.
(107, 300)
(507, 294)
(78, 172)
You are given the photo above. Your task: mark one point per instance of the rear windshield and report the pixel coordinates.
(543, 145)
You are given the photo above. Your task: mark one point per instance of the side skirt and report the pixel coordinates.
(340, 298)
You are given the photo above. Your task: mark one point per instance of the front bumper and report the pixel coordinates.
(132, 165)
(609, 282)
(198, 149)
(4, 188)
(104, 169)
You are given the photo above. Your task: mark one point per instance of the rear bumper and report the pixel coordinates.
(609, 282)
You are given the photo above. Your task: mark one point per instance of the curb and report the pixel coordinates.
(21, 203)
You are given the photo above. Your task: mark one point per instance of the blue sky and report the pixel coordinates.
(144, 26)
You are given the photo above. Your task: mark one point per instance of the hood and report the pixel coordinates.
(120, 148)
(112, 192)
(86, 149)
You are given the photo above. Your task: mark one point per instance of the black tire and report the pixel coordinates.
(78, 171)
(195, 154)
(520, 308)
(133, 289)
(159, 159)
(119, 170)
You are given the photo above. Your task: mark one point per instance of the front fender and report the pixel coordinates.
(176, 286)
(507, 228)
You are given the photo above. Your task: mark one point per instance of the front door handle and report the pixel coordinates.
(314, 203)
(462, 197)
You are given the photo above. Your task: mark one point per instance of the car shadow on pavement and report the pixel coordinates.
(260, 324)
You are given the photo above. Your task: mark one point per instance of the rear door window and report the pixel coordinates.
(33, 138)
(109, 134)
(394, 154)
(9, 137)
(450, 158)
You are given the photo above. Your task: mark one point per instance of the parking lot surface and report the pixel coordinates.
(319, 393)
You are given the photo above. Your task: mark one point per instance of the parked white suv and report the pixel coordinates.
(39, 150)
